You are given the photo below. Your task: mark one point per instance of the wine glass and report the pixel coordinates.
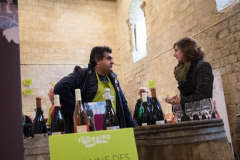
(203, 106)
(209, 105)
(198, 109)
(178, 112)
(189, 109)
(168, 95)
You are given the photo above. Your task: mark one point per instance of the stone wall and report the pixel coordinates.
(57, 35)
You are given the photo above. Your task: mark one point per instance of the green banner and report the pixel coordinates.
(27, 81)
(27, 91)
(100, 145)
(151, 83)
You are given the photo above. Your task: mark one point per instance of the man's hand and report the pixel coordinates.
(238, 115)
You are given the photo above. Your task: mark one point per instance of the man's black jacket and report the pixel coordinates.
(81, 78)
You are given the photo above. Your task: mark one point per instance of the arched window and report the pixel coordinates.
(222, 4)
(138, 31)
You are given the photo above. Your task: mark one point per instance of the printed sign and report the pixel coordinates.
(219, 104)
(151, 83)
(100, 145)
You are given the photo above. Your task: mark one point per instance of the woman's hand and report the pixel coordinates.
(175, 100)
(169, 99)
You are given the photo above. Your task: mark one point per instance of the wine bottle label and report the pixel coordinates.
(78, 95)
(113, 127)
(160, 122)
(144, 97)
(83, 128)
(56, 133)
(144, 124)
(56, 100)
(191, 118)
(107, 94)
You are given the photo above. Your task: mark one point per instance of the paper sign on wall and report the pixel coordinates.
(102, 145)
(151, 83)
(27, 81)
(27, 91)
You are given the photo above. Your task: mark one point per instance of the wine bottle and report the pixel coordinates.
(157, 116)
(111, 120)
(58, 123)
(39, 124)
(80, 123)
(145, 110)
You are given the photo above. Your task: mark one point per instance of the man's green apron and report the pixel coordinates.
(100, 95)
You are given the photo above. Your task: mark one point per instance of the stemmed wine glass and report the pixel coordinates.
(178, 112)
(198, 109)
(206, 105)
(189, 109)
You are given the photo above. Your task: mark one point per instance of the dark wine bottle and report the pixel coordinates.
(80, 123)
(58, 123)
(111, 120)
(39, 126)
(157, 115)
(145, 111)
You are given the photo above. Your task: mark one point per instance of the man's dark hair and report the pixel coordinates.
(98, 52)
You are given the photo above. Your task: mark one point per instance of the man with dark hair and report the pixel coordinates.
(92, 82)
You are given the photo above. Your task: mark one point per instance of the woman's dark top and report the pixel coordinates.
(201, 77)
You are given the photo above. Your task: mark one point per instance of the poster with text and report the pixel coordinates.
(219, 102)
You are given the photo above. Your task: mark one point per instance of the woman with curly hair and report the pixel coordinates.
(192, 68)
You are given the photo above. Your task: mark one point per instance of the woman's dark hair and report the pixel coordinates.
(98, 52)
(190, 48)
